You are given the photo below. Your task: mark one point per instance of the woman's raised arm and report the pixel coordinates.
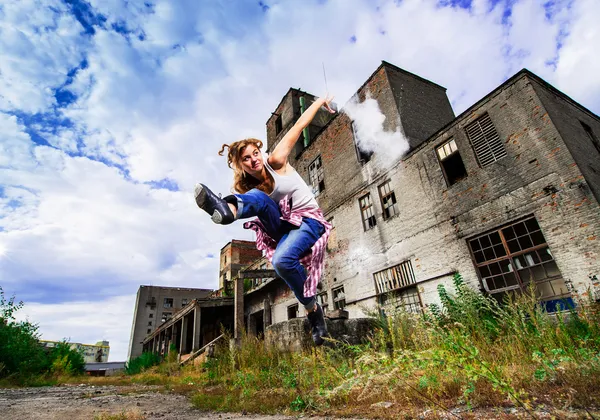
(279, 157)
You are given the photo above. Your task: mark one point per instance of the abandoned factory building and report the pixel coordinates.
(506, 194)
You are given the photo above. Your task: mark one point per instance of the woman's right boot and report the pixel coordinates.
(213, 204)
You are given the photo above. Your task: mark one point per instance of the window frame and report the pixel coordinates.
(391, 193)
(514, 261)
(451, 141)
(167, 304)
(485, 139)
(278, 124)
(394, 278)
(290, 308)
(316, 177)
(365, 210)
(336, 299)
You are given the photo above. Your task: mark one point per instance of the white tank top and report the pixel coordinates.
(293, 186)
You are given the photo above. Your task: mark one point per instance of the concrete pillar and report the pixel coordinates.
(238, 308)
(196, 338)
(183, 336)
(267, 312)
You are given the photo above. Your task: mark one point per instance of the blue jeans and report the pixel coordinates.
(293, 242)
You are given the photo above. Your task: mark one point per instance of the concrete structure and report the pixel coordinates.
(91, 352)
(236, 255)
(196, 325)
(506, 194)
(155, 305)
(104, 368)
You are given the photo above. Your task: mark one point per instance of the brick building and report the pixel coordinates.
(236, 255)
(507, 193)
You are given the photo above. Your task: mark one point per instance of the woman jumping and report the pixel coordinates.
(290, 227)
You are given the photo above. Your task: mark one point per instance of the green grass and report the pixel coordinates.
(468, 352)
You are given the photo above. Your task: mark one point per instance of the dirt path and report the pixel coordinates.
(87, 401)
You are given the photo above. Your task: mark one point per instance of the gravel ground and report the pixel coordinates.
(87, 401)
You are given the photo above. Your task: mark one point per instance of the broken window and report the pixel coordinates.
(367, 213)
(339, 298)
(591, 135)
(322, 298)
(166, 316)
(485, 140)
(184, 302)
(316, 177)
(148, 331)
(292, 311)
(388, 200)
(405, 300)
(516, 256)
(167, 302)
(362, 155)
(278, 124)
(396, 277)
(151, 316)
(149, 323)
(451, 162)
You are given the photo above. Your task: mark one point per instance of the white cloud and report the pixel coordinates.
(78, 219)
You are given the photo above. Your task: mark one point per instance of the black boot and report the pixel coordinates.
(213, 204)
(317, 323)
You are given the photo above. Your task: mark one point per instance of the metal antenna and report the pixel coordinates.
(325, 77)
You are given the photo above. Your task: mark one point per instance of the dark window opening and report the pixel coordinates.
(591, 135)
(339, 298)
(292, 311)
(148, 331)
(363, 156)
(151, 316)
(388, 200)
(168, 303)
(406, 300)
(452, 165)
(485, 140)
(166, 316)
(322, 298)
(278, 125)
(512, 258)
(316, 176)
(367, 213)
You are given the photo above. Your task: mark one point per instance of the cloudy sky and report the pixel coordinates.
(111, 110)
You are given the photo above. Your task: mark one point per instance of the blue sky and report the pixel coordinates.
(111, 110)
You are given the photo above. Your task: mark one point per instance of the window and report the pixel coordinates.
(166, 316)
(149, 323)
(514, 256)
(148, 331)
(278, 124)
(591, 135)
(167, 302)
(366, 211)
(362, 155)
(388, 200)
(293, 311)
(184, 302)
(151, 316)
(339, 298)
(395, 277)
(322, 298)
(451, 162)
(406, 300)
(316, 177)
(485, 141)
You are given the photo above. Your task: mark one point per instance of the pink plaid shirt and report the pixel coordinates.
(315, 260)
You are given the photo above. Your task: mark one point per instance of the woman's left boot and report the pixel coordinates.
(213, 204)
(318, 325)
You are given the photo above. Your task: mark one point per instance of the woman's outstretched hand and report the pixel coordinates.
(326, 101)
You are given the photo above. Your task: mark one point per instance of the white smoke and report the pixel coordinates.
(370, 135)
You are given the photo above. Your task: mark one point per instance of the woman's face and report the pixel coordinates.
(252, 160)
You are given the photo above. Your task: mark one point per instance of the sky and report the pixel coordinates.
(111, 111)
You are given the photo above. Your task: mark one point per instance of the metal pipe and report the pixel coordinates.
(305, 131)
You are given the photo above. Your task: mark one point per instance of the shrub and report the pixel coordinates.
(144, 361)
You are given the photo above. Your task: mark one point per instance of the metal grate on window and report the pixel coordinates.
(316, 176)
(367, 213)
(395, 277)
(388, 200)
(485, 140)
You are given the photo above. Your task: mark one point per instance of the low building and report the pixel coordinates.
(91, 352)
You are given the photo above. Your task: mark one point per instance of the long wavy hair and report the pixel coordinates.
(243, 181)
